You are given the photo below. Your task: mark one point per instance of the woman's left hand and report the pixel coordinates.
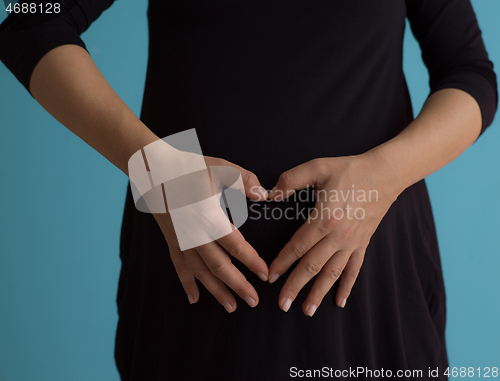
(352, 194)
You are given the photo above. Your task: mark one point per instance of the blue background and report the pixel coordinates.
(61, 205)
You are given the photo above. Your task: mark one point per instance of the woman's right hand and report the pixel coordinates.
(67, 84)
(211, 263)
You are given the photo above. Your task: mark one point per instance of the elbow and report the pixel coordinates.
(477, 79)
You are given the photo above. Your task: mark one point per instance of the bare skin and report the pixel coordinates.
(69, 86)
(332, 248)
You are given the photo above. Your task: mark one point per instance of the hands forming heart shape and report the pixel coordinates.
(352, 195)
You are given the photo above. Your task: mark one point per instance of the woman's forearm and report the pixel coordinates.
(448, 124)
(67, 83)
(69, 86)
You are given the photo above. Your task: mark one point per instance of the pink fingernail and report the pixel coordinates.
(229, 308)
(286, 304)
(262, 276)
(274, 278)
(311, 310)
(191, 299)
(343, 302)
(263, 192)
(250, 301)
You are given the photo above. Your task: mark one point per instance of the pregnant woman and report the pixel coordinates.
(305, 98)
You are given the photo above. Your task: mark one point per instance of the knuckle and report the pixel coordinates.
(223, 162)
(252, 177)
(334, 273)
(294, 290)
(298, 250)
(200, 275)
(318, 166)
(249, 177)
(286, 177)
(235, 251)
(312, 268)
(218, 270)
(327, 223)
(243, 289)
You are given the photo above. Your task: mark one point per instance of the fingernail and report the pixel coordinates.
(251, 302)
(229, 308)
(279, 196)
(271, 194)
(286, 304)
(273, 278)
(311, 310)
(263, 192)
(343, 302)
(262, 276)
(191, 299)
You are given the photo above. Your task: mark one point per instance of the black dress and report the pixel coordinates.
(268, 85)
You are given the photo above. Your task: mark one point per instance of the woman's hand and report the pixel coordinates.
(210, 263)
(352, 195)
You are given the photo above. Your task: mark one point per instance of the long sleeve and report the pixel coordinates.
(26, 38)
(454, 52)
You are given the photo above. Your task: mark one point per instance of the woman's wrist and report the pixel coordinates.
(133, 137)
(448, 123)
(387, 175)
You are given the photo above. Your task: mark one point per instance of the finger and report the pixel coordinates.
(299, 177)
(349, 276)
(185, 274)
(251, 183)
(301, 242)
(214, 285)
(330, 273)
(253, 189)
(238, 247)
(220, 266)
(308, 267)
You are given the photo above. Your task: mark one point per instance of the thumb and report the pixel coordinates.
(253, 189)
(251, 183)
(299, 177)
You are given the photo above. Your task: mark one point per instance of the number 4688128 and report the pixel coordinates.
(485, 372)
(33, 8)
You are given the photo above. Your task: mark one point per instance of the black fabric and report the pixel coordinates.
(270, 84)
(25, 38)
